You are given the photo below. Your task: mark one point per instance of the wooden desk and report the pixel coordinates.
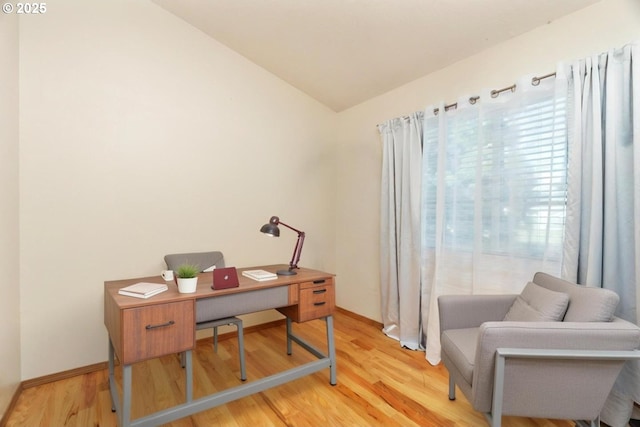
(141, 329)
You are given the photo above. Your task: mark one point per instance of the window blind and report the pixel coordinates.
(502, 171)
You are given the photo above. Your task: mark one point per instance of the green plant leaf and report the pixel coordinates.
(187, 271)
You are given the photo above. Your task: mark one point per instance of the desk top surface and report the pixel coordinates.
(205, 280)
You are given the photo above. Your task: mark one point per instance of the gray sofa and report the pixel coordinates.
(554, 351)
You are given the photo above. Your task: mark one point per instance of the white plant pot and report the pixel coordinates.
(187, 286)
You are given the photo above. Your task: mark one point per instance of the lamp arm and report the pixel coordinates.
(297, 250)
(289, 227)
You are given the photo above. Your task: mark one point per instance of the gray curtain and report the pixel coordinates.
(602, 231)
(400, 229)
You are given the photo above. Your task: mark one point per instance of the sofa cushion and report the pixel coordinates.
(592, 305)
(586, 304)
(538, 304)
(460, 346)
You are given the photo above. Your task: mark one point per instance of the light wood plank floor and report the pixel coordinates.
(379, 384)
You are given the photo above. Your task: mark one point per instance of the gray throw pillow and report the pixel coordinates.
(538, 304)
(591, 305)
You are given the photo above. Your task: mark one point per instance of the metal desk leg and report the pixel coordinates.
(125, 414)
(289, 331)
(332, 351)
(243, 369)
(112, 376)
(189, 375)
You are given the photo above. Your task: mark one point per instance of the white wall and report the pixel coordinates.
(607, 24)
(9, 240)
(141, 136)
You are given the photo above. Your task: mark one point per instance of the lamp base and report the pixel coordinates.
(285, 272)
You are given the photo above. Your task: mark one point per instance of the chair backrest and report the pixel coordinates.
(586, 304)
(203, 260)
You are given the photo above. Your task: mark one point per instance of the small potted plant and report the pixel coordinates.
(187, 278)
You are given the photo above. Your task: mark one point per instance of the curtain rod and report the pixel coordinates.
(535, 81)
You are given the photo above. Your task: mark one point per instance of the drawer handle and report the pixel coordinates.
(319, 303)
(316, 282)
(162, 325)
(319, 291)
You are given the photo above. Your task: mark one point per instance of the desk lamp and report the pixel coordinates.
(271, 229)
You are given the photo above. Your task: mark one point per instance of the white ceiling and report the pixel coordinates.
(344, 52)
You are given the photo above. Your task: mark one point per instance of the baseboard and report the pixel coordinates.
(12, 405)
(34, 382)
(360, 318)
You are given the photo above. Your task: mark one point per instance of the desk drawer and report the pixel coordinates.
(316, 300)
(155, 330)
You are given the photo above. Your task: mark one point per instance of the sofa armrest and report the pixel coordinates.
(471, 311)
(615, 335)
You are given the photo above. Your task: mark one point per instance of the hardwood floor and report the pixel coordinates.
(379, 384)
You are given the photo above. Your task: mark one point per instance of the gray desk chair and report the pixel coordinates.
(206, 260)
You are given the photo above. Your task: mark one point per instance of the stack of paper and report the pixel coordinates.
(259, 275)
(143, 289)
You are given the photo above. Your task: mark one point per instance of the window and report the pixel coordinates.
(501, 176)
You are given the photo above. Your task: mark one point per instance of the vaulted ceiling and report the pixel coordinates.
(344, 52)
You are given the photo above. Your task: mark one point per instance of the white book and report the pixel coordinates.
(259, 275)
(143, 289)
